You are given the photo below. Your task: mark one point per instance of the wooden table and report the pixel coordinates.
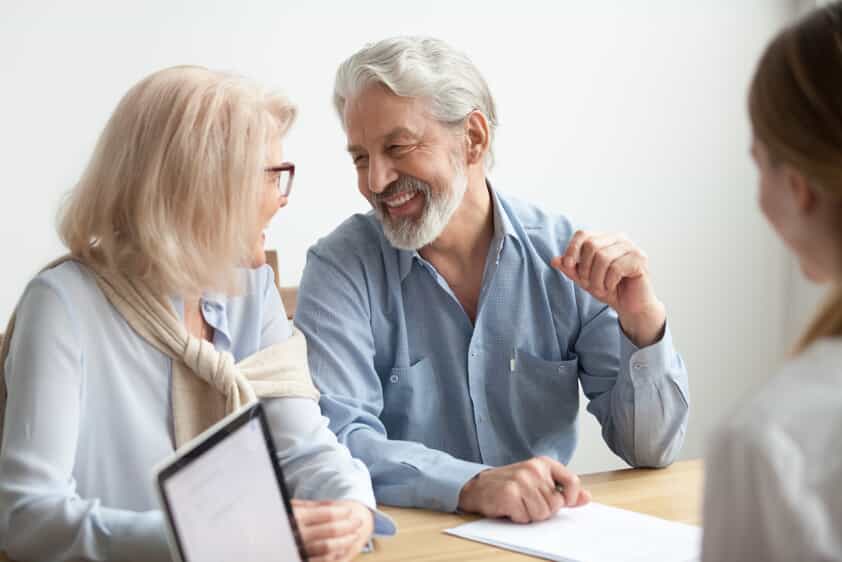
(672, 493)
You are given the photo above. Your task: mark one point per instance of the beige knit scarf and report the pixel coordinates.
(206, 383)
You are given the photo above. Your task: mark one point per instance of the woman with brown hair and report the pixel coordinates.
(774, 470)
(154, 327)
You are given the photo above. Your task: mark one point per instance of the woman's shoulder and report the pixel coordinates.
(68, 273)
(805, 383)
(70, 281)
(56, 303)
(797, 406)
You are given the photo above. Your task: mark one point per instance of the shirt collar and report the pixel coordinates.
(214, 309)
(502, 228)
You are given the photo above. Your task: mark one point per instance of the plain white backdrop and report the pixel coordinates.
(623, 115)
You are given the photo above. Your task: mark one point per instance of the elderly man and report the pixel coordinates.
(449, 329)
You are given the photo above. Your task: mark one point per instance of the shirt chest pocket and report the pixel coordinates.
(410, 396)
(525, 364)
(540, 387)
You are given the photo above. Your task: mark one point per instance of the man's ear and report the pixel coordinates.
(801, 190)
(477, 137)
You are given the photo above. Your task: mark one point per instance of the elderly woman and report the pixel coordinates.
(137, 340)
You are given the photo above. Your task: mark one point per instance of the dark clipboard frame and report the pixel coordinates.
(207, 441)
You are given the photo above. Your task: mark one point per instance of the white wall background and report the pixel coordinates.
(623, 115)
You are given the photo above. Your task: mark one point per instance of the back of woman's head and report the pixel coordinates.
(795, 100)
(795, 106)
(172, 193)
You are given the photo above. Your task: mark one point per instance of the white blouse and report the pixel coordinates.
(89, 415)
(774, 470)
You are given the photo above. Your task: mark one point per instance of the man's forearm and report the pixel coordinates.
(408, 474)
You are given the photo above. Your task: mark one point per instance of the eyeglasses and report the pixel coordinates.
(283, 175)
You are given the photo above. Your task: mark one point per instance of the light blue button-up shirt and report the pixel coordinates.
(89, 415)
(427, 399)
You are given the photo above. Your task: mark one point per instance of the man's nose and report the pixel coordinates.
(380, 175)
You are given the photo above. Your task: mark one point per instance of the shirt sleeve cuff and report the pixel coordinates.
(443, 484)
(652, 361)
(137, 536)
(384, 526)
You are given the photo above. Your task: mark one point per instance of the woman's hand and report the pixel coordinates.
(333, 530)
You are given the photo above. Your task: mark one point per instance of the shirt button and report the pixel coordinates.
(393, 379)
(639, 366)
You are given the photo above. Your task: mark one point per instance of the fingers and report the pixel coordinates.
(577, 260)
(545, 488)
(510, 503)
(315, 513)
(568, 480)
(328, 530)
(631, 264)
(572, 253)
(535, 502)
(584, 244)
(599, 262)
(594, 278)
(532, 491)
(555, 499)
(308, 503)
(336, 548)
(584, 499)
(590, 248)
(523, 492)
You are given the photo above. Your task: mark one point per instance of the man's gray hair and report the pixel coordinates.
(420, 67)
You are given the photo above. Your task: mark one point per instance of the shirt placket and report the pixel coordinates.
(480, 362)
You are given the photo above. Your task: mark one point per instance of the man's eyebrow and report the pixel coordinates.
(388, 138)
(400, 132)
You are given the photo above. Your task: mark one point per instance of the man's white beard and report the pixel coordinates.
(407, 233)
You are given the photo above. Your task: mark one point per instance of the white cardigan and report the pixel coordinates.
(774, 470)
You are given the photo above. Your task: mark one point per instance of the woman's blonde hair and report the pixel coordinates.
(172, 193)
(795, 106)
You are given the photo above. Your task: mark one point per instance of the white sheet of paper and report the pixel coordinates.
(593, 533)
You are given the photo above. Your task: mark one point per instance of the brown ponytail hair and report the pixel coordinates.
(795, 107)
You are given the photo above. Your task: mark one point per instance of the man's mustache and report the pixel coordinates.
(404, 184)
